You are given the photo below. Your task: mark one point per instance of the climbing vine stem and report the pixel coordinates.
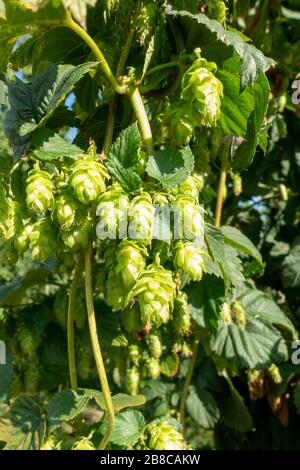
(96, 348)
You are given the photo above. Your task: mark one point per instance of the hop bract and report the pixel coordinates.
(155, 290)
(39, 192)
(182, 315)
(164, 436)
(203, 91)
(141, 218)
(87, 178)
(189, 221)
(43, 240)
(112, 212)
(189, 258)
(130, 259)
(68, 210)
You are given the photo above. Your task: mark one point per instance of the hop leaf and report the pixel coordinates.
(169, 365)
(155, 291)
(189, 222)
(87, 178)
(203, 91)
(189, 258)
(39, 192)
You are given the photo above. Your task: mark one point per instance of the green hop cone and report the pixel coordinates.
(87, 178)
(155, 291)
(112, 211)
(83, 444)
(164, 436)
(237, 184)
(217, 10)
(238, 314)
(133, 380)
(226, 313)
(84, 365)
(78, 236)
(116, 293)
(141, 218)
(135, 352)
(182, 123)
(43, 240)
(131, 319)
(182, 347)
(130, 259)
(189, 258)
(22, 240)
(192, 186)
(189, 220)
(39, 192)
(10, 217)
(182, 319)
(153, 368)
(68, 211)
(203, 92)
(155, 344)
(275, 374)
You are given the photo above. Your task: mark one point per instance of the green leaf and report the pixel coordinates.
(253, 61)
(55, 147)
(128, 428)
(235, 238)
(255, 347)
(78, 8)
(32, 104)
(120, 400)
(234, 412)
(126, 148)
(6, 373)
(12, 292)
(65, 406)
(26, 426)
(171, 167)
(259, 305)
(205, 300)
(202, 407)
(291, 266)
(169, 364)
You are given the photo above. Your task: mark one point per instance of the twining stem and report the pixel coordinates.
(70, 23)
(70, 321)
(96, 348)
(222, 184)
(218, 215)
(188, 379)
(141, 115)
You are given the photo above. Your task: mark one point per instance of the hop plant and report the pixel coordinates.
(189, 258)
(26, 341)
(155, 290)
(192, 186)
(39, 192)
(133, 380)
(203, 91)
(78, 236)
(182, 123)
(130, 259)
(153, 368)
(87, 178)
(182, 315)
(68, 211)
(10, 219)
(226, 313)
(135, 353)
(146, 21)
(84, 443)
(189, 223)
(112, 212)
(141, 218)
(131, 319)
(217, 10)
(22, 239)
(275, 374)
(237, 184)
(60, 308)
(115, 291)
(155, 344)
(43, 240)
(238, 314)
(164, 436)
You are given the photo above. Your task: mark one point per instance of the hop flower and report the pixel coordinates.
(87, 178)
(43, 240)
(153, 368)
(83, 444)
(275, 374)
(78, 236)
(182, 315)
(189, 223)
(192, 186)
(22, 240)
(10, 219)
(116, 293)
(155, 291)
(217, 10)
(141, 218)
(164, 436)
(182, 123)
(203, 91)
(226, 313)
(237, 184)
(112, 212)
(39, 192)
(130, 262)
(135, 353)
(155, 344)
(68, 211)
(238, 314)
(189, 258)
(133, 380)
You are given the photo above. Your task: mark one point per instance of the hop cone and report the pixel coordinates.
(130, 262)
(217, 10)
(275, 374)
(43, 240)
(112, 212)
(237, 184)
(192, 186)
(182, 315)
(87, 178)
(83, 444)
(153, 368)
(133, 380)
(155, 291)
(155, 344)
(189, 223)
(226, 313)
(22, 240)
(182, 123)
(164, 436)
(203, 91)
(141, 218)
(238, 314)
(131, 319)
(10, 220)
(135, 353)
(189, 258)
(68, 211)
(78, 236)
(39, 192)
(116, 293)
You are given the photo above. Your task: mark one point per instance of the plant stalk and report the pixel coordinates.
(141, 115)
(222, 184)
(70, 322)
(96, 348)
(188, 379)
